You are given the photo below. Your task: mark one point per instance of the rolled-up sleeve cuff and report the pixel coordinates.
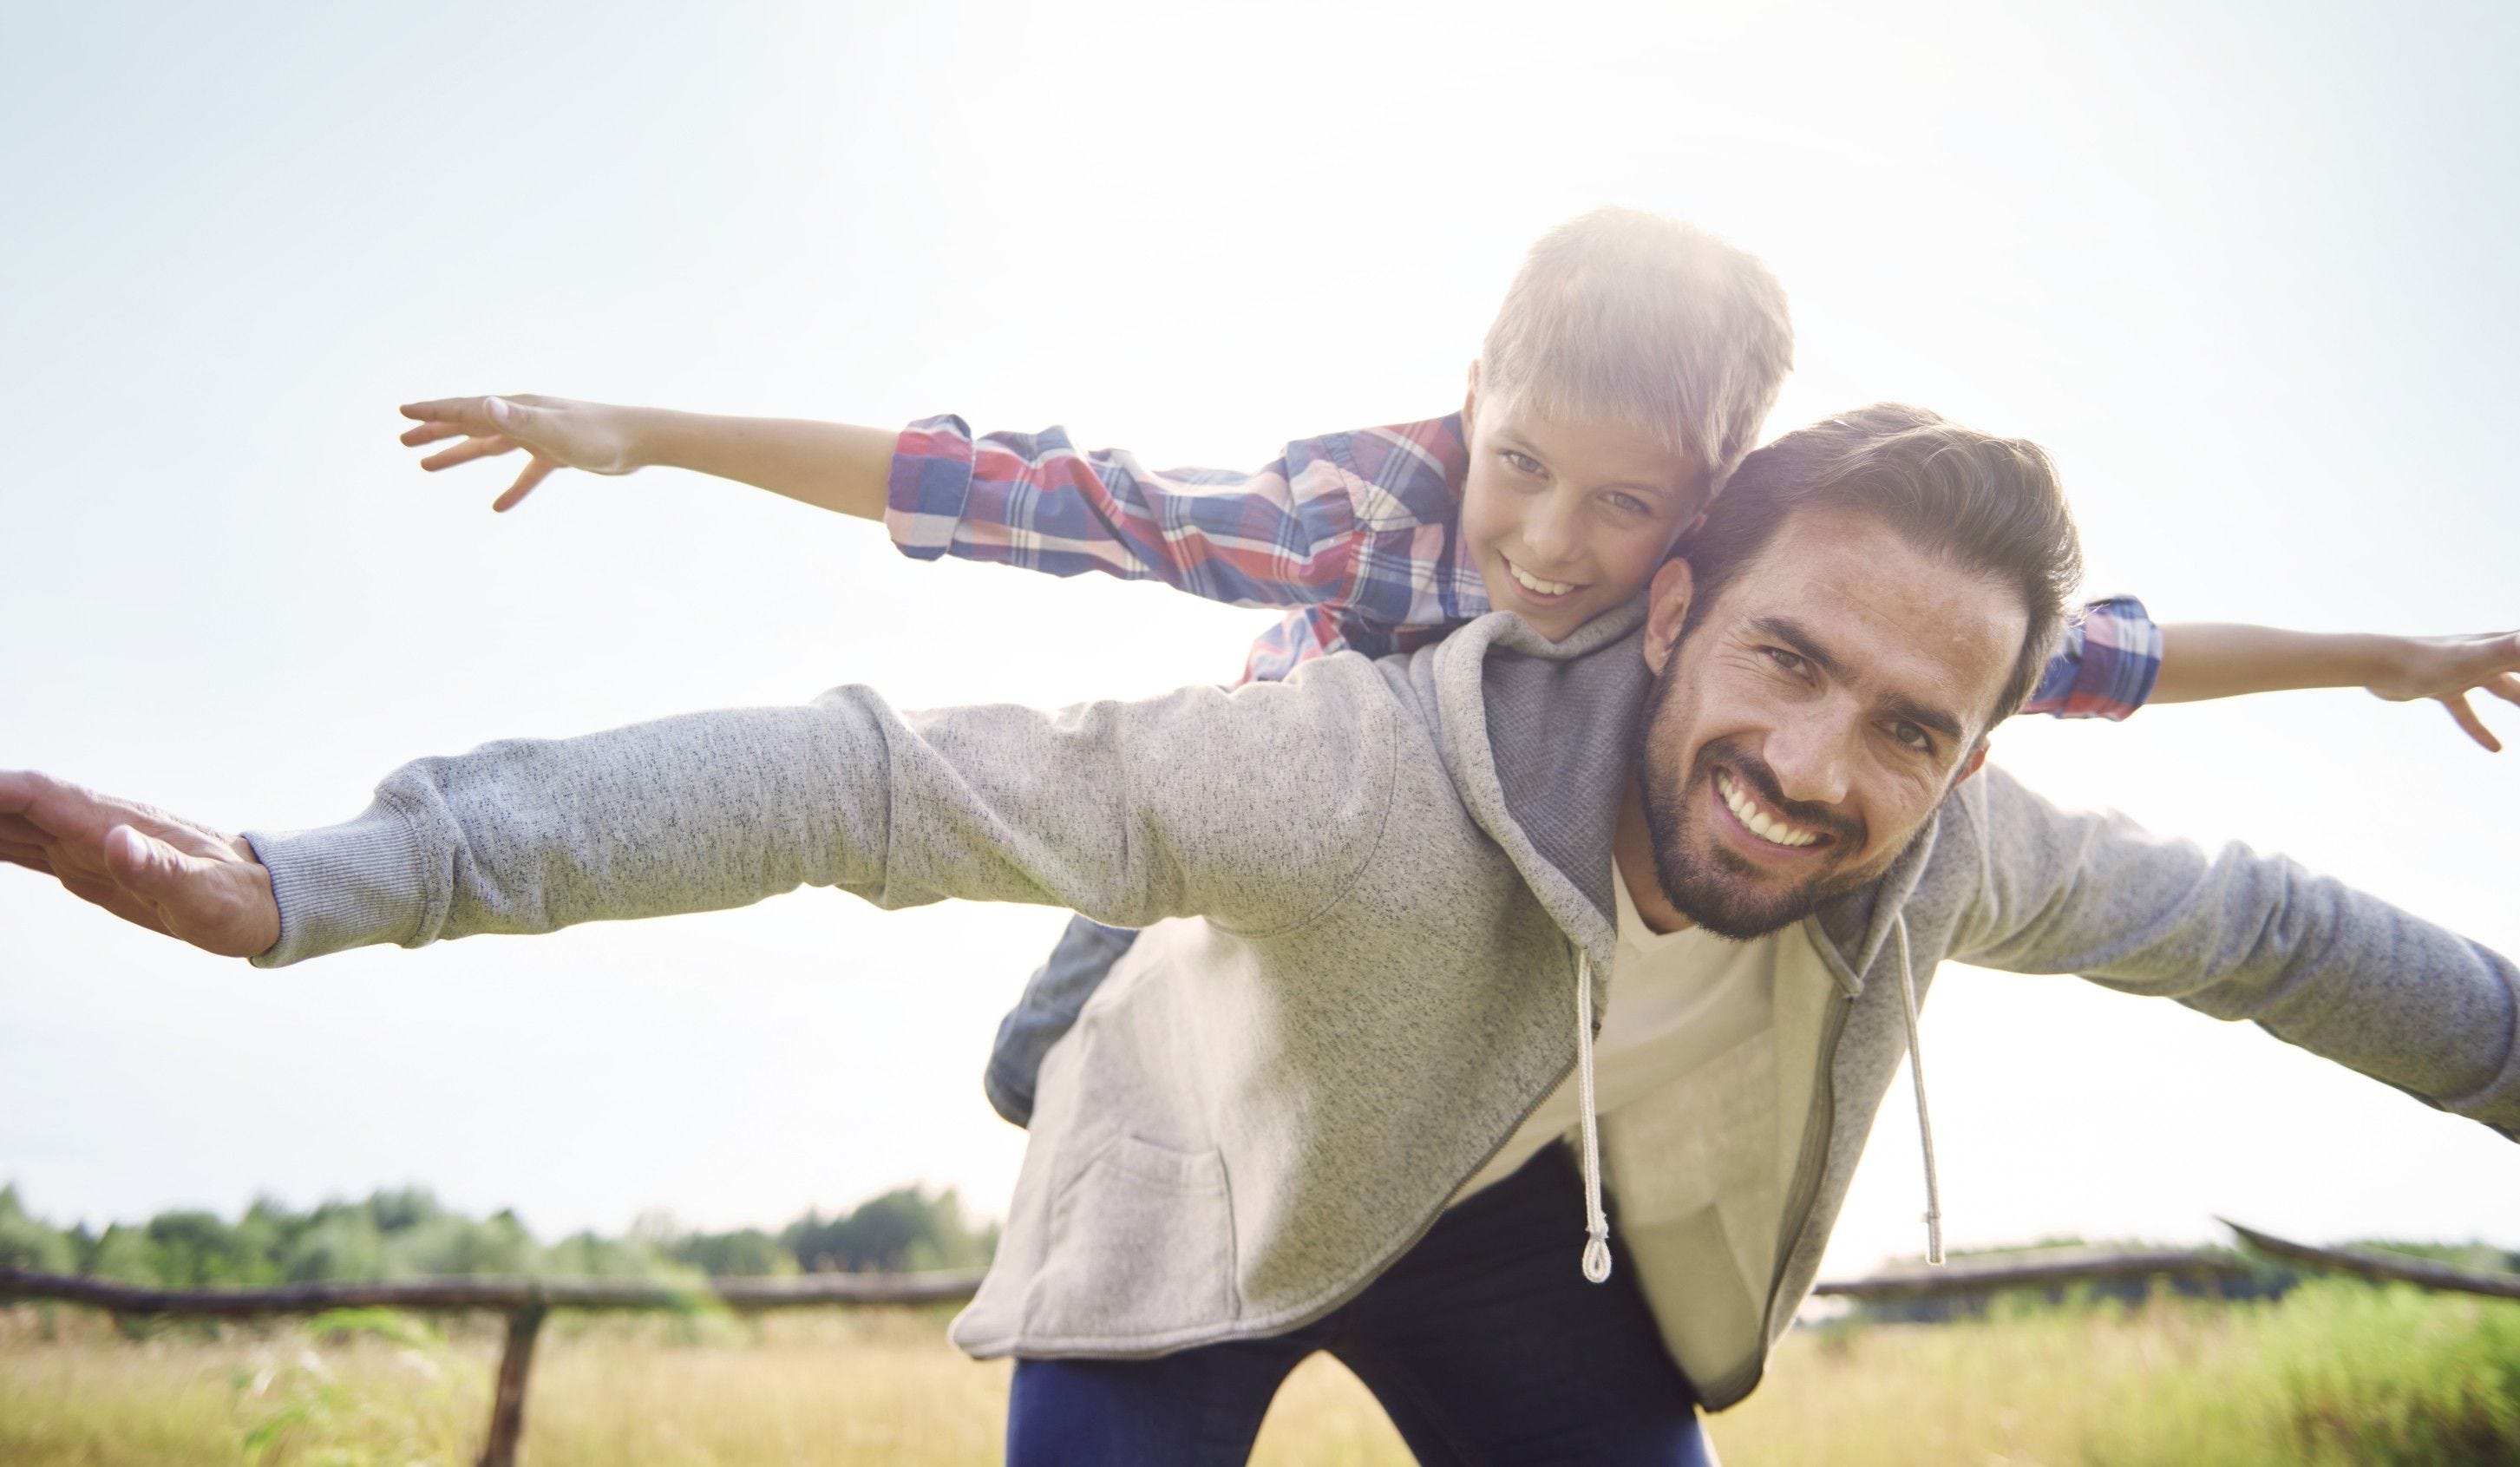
(344, 886)
(928, 486)
(2121, 658)
(2107, 665)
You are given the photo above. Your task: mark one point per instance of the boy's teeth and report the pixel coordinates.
(1543, 588)
(1752, 816)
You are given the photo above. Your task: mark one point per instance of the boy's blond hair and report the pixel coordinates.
(1648, 322)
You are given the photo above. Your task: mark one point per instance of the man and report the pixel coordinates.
(1318, 1113)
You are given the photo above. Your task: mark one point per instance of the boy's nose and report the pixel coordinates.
(1549, 535)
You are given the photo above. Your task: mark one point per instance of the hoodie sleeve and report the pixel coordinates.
(2242, 936)
(1253, 808)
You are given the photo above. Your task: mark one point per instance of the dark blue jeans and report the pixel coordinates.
(1484, 1343)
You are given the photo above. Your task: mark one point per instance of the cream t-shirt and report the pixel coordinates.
(1675, 1000)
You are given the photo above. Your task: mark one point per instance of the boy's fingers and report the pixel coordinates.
(2466, 718)
(2506, 687)
(449, 410)
(536, 473)
(430, 432)
(466, 451)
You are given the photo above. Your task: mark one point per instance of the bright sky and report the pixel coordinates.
(2245, 271)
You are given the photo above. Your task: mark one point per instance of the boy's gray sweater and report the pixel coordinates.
(1391, 865)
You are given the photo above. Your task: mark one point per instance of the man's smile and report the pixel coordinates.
(1760, 827)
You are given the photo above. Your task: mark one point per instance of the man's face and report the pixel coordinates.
(1805, 728)
(1567, 519)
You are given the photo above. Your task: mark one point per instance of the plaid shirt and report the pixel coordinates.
(1357, 535)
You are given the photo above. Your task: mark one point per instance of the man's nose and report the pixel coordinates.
(1813, 759)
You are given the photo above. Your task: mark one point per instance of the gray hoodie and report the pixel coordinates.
(1399, 871)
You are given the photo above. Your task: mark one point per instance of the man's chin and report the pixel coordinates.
(1720, 908)
(1731, 898)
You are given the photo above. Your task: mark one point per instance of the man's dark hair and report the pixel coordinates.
(1983, 503)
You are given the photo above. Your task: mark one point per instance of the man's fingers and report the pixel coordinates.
(2506, 687)
(536, 473)
(2466, 718)
(469, 450)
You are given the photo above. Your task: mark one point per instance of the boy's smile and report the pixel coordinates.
(1567, 518)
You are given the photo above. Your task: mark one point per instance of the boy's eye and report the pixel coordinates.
(1521, 463)
(1629, 504)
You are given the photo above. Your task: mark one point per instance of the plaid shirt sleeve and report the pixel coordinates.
(2107, 665)
(1352, 531)
(1282, 536)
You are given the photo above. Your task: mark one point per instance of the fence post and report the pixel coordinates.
(508, 1402)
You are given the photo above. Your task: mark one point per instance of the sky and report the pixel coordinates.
(2243, 270)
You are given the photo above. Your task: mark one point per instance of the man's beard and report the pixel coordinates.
(1716, 888)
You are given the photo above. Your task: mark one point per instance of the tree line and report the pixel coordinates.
(407, 1233)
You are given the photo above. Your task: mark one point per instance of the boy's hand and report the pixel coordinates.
(557, 432)
(2448, 669)
(140, 864)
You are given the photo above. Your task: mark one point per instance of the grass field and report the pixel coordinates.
(2337, 1373)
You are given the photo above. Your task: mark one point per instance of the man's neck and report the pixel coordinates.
(1631, 843)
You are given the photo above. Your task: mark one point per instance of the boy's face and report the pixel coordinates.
(1568, 519)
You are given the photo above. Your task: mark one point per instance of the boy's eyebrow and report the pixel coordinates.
(1798, 637)
(1519, 444)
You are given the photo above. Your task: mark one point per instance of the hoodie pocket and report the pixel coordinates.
(1141, 1246)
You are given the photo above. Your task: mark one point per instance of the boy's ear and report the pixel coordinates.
(1470, 400)
(1666, 601)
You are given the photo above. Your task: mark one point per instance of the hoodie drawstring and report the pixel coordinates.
(1916, 1072)
(1597, 1222)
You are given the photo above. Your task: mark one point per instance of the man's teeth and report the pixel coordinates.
(1534, 583)
(1764, 826)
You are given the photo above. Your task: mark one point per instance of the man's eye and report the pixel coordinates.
(1913, 737)
(1788, 661)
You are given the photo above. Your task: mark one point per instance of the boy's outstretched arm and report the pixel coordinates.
(2214, 659)
(1288, 534)
(832, 466)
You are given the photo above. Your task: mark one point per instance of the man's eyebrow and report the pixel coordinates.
(1795, 635)
(1928, 717)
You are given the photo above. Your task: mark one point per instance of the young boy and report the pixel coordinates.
(1625, 377)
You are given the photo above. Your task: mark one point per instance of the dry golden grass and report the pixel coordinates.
(2333, 1375)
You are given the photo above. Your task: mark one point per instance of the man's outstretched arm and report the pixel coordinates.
(2238, 935)
(1252, 808)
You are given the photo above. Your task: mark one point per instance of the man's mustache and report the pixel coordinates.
(1751, 770)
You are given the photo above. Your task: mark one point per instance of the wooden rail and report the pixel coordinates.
(527, 1301)
(523, 1300)
(2077, 1266)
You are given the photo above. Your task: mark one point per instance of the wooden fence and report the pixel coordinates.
(526, 1302)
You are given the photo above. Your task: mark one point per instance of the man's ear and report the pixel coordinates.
(1666, 610)
(1976, 761)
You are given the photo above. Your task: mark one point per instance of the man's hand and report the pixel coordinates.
(553, 432)
(140, 864)
(2448, 669)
